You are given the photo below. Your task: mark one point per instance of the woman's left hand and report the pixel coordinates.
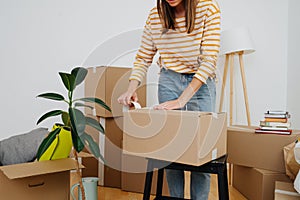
(169, 105)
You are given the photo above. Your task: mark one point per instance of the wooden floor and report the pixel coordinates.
(106, 193)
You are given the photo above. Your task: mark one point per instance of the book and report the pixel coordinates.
(283, 120)
(277, 115)
(280, 132)
(278, 124)
(273, 128)
(277, 112)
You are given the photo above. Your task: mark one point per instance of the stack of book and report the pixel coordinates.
(275, 122)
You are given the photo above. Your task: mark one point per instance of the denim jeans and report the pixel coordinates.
(171, 85)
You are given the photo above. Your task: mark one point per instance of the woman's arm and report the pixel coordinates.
(143, 60)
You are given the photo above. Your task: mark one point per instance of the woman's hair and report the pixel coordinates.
(167, 14)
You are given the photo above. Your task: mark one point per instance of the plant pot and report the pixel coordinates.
(61, 145)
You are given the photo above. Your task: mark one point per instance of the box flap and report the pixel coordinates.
(250, 129)
(285, 188)
(38, 168)
(85, 155)
(267, 172)
(173, 112)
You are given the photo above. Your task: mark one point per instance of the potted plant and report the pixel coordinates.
(73, 120)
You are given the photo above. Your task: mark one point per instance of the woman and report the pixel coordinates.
(186, 33)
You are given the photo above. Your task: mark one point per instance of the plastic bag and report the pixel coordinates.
(291, 165)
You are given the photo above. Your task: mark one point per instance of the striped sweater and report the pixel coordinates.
(179, 51)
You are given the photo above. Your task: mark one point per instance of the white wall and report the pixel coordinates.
(293, 92)
(265, 69)
(40, 38)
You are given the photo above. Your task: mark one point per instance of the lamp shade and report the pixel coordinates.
(236, 40)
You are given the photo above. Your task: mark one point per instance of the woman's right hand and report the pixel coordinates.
(127, 98)
(130, 95)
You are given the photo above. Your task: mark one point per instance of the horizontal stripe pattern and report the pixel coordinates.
(196, 52)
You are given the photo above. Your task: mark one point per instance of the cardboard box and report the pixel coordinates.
(134, 174)
(113, 152)
(90, 164)
(179, 136)
(263, 151)
(111, 148)
(37, 180)
(108, 83)
(285, 191)
(256, 184)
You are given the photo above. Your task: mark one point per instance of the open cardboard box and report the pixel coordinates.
(187, 137)
(45, 180)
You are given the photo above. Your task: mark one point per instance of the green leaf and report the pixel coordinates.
(78, 121)
(49, 114)
(95, 124)
(52, 96)
(96, 100)
(65, 118)
(92, 146)
(79, 74)
(83, 105)
(77, 143)
(47, 142)
(68, 80)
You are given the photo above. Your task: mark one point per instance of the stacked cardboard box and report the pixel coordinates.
(256, 183)
(134, 170)
(108, 83)
(258, 160)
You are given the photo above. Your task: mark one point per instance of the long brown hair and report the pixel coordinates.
(167, 14)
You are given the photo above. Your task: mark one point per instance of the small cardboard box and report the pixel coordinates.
(285, 191)
(37, 180)
(256, 184)
(178, 136)
(108, 83)
(263, 151)
(90, 164)
(113, 151)
(111, 148)
(134, 174)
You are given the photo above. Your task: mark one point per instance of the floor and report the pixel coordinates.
(106, 193)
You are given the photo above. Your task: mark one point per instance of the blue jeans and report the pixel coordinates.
(171, 85)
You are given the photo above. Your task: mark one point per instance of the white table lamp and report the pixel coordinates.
(235, 41)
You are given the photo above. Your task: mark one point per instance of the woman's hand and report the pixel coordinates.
(127, 97)
(169, 105)
(183, 99)
(130, 95)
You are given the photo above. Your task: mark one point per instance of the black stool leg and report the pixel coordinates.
(160, 180)
(148, 181)
(223, 182)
